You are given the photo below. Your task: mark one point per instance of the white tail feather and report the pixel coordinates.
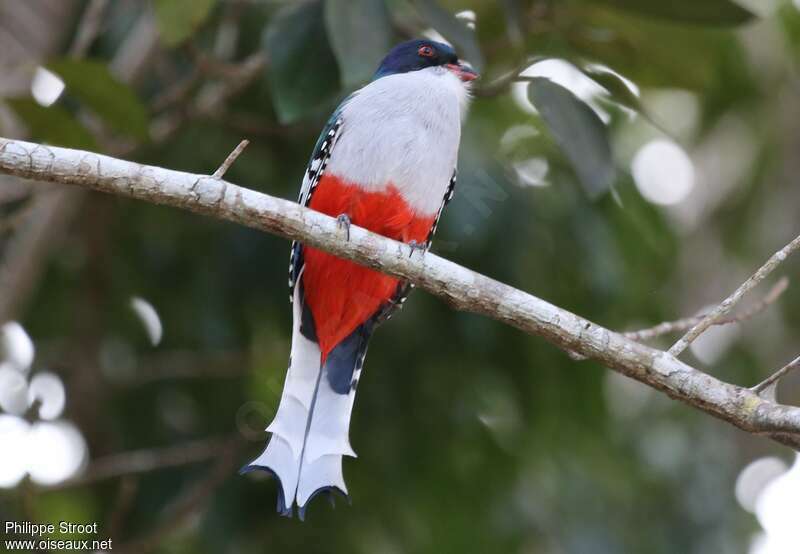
(310, 432)
(327, 441)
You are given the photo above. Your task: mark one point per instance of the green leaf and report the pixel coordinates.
(53, 125)
(94, 86)
(578, 131)
(303, 71)
(702, 12)
(620, 92)
(179, 19)
(369, 21)
(654, 53)
(616, 86)
(453, 29)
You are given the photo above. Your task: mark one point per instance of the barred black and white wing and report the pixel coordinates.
(448, 196)
(405, 288)
(314, 171)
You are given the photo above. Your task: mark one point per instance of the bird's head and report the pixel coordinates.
(415, 55)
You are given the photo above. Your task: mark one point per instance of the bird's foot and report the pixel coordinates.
(415, 246)
(343, 222)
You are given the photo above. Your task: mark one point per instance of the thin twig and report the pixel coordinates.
(89, 28)
(174, 365)
(190, 502)
(210, 65)
(13, 220)
(210, 98)
(145, 461)
(176, 92)
(721, 310)
(777, 376)
(500, 84)
(686, 323)
(205, 65)
(128, 487)
(226, 165)
(245, 123)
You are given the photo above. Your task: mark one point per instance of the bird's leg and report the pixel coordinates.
(343, 222)
(420, 247)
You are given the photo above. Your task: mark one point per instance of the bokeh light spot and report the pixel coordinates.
(46, 87)
(56, 451)
(13, 390)
(532, 172)
(17, 346)
(48, 390)
(755, 477)
(149, 317)
(13, 462)
(776, 510)
(663, 172)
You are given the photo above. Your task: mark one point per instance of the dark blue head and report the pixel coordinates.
(414, 55)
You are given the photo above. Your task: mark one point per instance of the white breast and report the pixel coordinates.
(403, 130)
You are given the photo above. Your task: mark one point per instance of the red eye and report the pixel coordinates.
(425, 51)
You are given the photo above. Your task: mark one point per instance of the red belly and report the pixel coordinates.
(341, 294)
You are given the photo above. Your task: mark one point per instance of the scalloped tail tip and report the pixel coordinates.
(288, 511)
(283, 509)
(328, 492)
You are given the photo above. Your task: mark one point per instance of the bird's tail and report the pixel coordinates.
(310, 432)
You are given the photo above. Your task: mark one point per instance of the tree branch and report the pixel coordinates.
(228, 162)
(193, 500)
(727, 304)
(777, 376)
(686, 323)
(88, 28)
(144, 461)
(460, 287)
(210, 98)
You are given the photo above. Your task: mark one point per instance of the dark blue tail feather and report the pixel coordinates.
(283, 509)
(301, 512)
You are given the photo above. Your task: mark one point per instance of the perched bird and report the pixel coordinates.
(386, 161)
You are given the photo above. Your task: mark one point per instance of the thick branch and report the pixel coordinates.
(461, 288)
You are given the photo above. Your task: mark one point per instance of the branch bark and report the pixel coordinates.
(460, 287)
(727, 304)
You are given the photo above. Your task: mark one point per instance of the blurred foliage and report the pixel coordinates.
(471, 437)
(710, 12)
(52, 124)
(303, 70)
(92, 84)
(579, 132)
(370, 21)
(179, 19)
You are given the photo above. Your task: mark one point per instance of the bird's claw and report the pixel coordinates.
(343, 222)
(417, 246)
